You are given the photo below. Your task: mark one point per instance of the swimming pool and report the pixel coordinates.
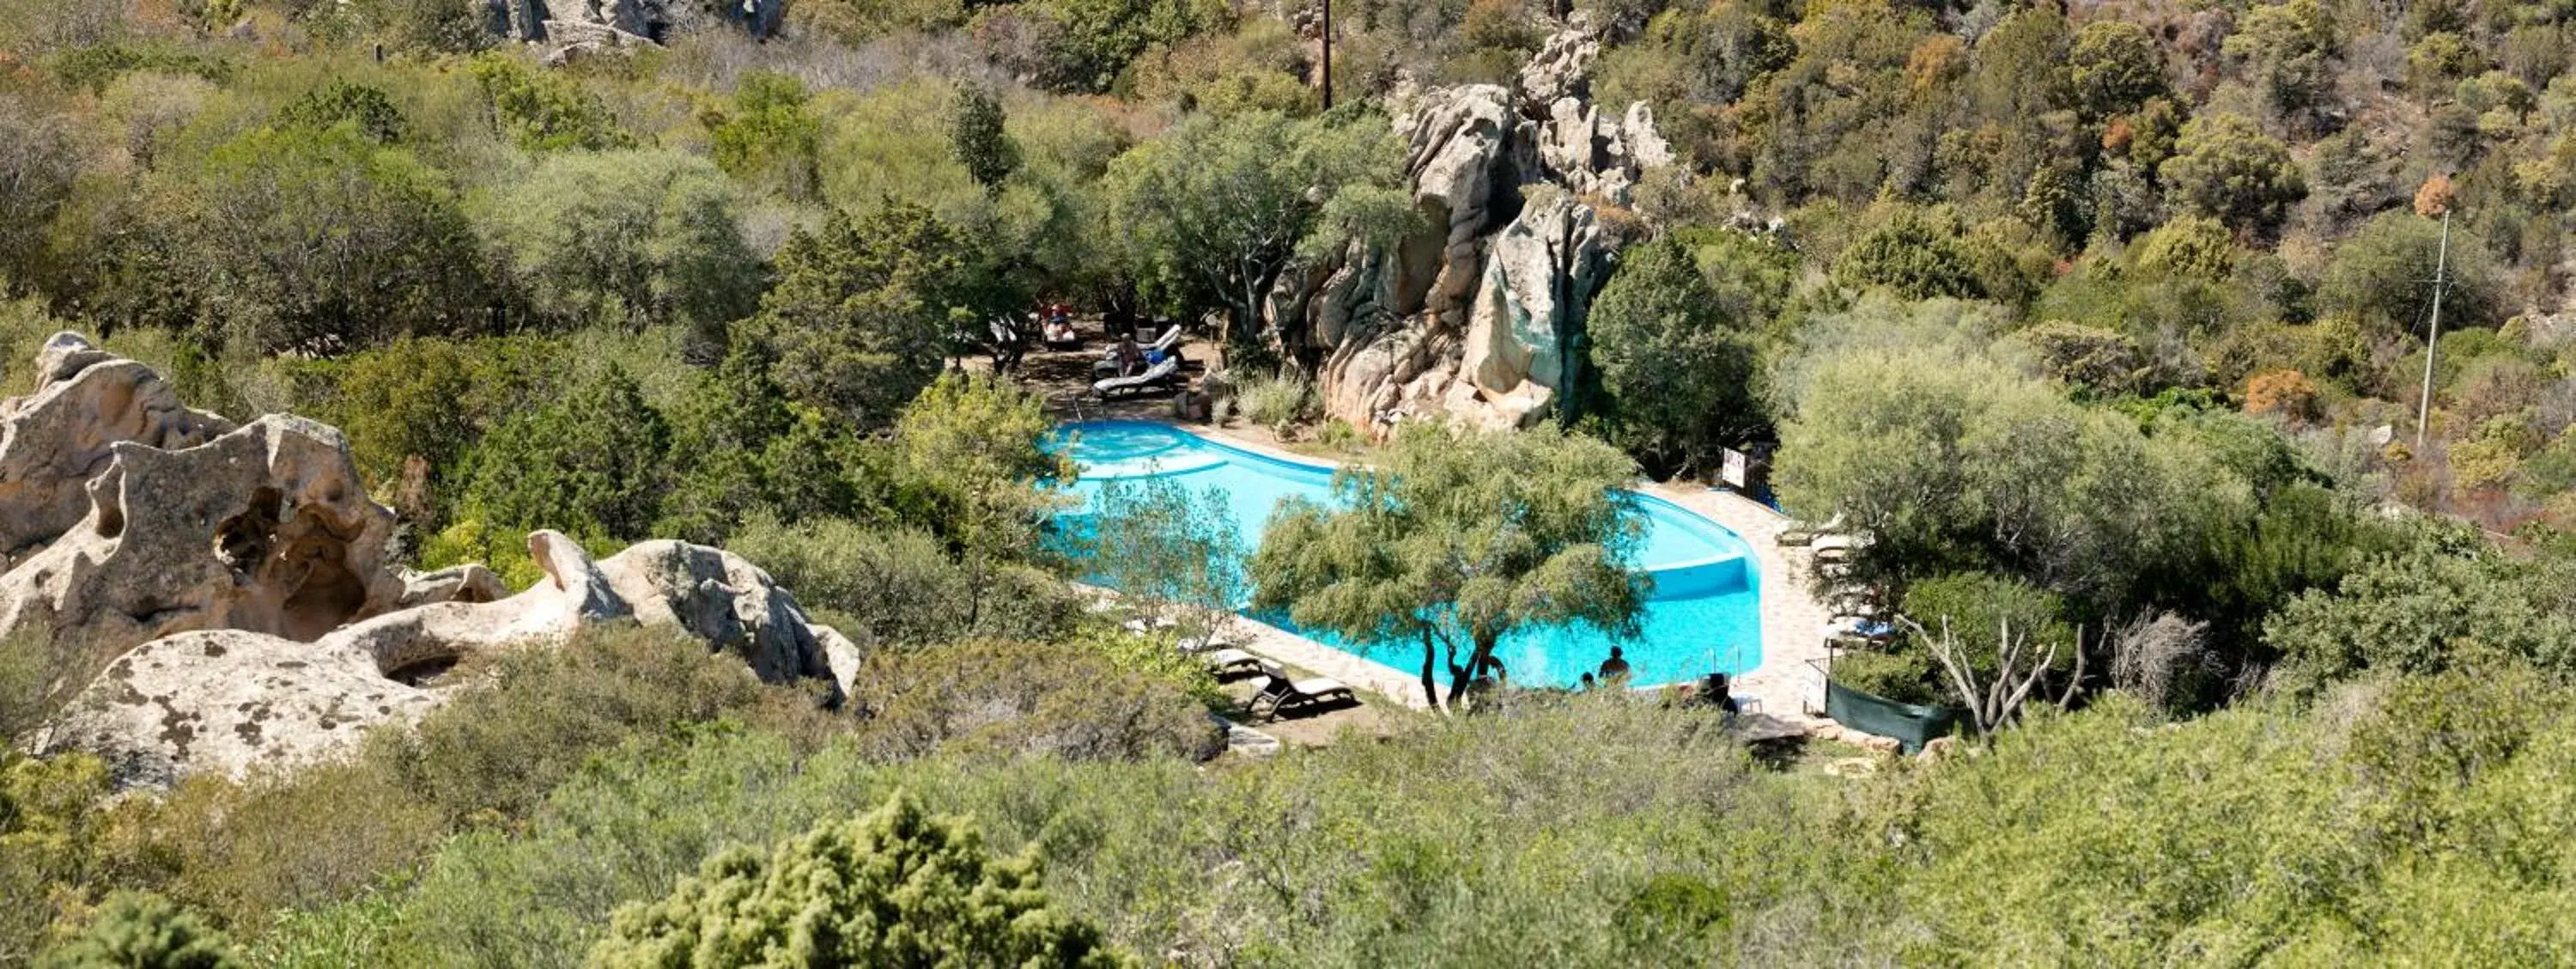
(1701, 615)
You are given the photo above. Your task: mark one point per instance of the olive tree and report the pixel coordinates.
(1162, 541)
(1454, 539)
(317, 240)
(628, 237)
(1218, 209)
(1951, 461)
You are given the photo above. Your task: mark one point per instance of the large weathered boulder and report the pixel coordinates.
(1472, 317)
(227, 700)
(722, 598)
(238, 579)
(266, 529)
(55, 439)
(230, 700)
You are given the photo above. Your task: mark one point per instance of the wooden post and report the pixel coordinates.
(2433, 335)
(1328, 55)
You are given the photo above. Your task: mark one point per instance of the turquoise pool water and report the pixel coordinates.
(1701, 616)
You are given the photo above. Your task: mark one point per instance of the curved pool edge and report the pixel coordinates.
(1787, 675)
(1128, 468)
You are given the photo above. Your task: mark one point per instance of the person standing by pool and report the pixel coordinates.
(1615, 669)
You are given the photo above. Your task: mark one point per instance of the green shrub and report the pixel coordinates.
(627, 238)
(139, 931)
(591, 463)
(892, 887)
(769, 137)
(1904, 676)
(545, 111)
(899, 586)
(1057, 699)
(543, 711)
(1275, 401)
(51, 826)
(240, 850)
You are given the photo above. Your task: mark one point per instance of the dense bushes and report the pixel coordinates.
(889, 887)
(2105, 320)
(1028, 699)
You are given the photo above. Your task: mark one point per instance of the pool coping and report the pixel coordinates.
(1786, 684)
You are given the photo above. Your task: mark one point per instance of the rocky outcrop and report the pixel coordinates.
(1474, 316)
(233, 700)
(54, 440)
(574, 27)
(239, 579)
(722, 598)
(265, 529)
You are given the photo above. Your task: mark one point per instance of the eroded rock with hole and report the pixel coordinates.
(58, 437)
(278, 702)
(234, 582)
(263, 529)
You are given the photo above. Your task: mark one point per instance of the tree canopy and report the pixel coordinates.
(1426, 544)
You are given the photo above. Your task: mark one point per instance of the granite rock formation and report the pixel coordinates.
(235, 585)
(1476, 317)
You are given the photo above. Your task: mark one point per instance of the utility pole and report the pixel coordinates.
(1328, 55)
(2433, 334)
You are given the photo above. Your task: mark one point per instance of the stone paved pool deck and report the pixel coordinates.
(1787, 683)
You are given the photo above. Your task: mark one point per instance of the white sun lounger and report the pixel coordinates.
(1146, 624)
(1228, 662)
(1201, 644)
(1153, 376)
(1280, 694)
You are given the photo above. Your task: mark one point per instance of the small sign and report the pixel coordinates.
(1732, 472)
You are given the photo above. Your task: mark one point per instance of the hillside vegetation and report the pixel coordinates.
(2103, 326)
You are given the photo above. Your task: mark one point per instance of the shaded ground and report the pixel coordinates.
(1063, 377)
(1373, 716)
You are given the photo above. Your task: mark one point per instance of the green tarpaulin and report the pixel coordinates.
(1909, 724)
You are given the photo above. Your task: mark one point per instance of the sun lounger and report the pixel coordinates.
(1835, 549)
(1168, 345)
(1281, 695)
(1229, 662)
(1201, 644)
(1161, 375)
(1801, 533)
(1144, 624)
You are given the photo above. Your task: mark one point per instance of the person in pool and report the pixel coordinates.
(1615, 669)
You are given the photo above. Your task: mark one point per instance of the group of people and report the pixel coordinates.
(1614, 673)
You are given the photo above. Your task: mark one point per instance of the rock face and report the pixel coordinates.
(239, 579)
(1476, 317)
(54, 440)
(266, 529)
(574, 27)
